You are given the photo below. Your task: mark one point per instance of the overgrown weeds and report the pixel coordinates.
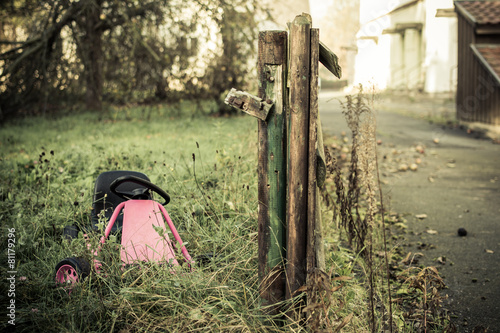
(356, 199)
(423, 307)
(356, 205)
(47, 177)
(207, 165)
(322, 301)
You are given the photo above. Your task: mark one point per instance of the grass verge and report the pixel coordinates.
(208, 166)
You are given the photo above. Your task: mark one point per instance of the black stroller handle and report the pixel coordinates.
(139, 181)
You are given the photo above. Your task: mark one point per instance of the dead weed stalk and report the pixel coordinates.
(320, 289)
(356, 205)
(424, 309)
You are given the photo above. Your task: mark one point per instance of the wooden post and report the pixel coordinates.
(289, 207)
(312, 208)
(272, 71)
(298, 154)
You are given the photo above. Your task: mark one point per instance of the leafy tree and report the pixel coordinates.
(121, 50)
(237, 42)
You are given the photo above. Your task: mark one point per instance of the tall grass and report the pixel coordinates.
(207, 165)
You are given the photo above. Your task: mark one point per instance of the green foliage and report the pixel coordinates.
(47, 172)
(122, 51)
(208, 166)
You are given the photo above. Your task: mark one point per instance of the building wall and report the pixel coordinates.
(283, 11)
(406, 46)
(440, 63)
(338, 26)
(464, 102)
(478, 96)
(372, 62)
(413, 59)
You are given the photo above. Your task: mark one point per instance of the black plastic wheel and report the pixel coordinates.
(204, 259)
(70, 232)
(71, 271)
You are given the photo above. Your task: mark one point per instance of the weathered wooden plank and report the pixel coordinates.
(320, 182)
(272, 68)
(321, 160)
(298, 154)
(252, 105)
(276, 169)
(329, 60)
(312, 158)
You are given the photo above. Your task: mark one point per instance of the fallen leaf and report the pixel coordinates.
(342, 278)
(410, 259)
(421, 216)
(403, 167)
(431, 232)
(479, 329)
(334, 289)
(402, 291)
(344, 322)
(196, 314)
(406, 260)
(301, 289)
(312, 307)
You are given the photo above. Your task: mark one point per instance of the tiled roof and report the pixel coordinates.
(481, 12)
(489, 55)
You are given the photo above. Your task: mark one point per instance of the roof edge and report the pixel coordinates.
(483, 61)
(464, 12)
(396, 9)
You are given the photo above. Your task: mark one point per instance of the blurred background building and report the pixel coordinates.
(407, 45)
(396, 45)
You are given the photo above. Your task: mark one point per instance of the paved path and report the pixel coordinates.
(457, 185)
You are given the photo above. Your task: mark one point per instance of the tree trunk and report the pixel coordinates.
(93, 56)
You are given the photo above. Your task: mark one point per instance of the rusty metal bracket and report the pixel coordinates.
(249, 103)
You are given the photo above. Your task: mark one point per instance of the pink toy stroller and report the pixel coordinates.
(126, 199)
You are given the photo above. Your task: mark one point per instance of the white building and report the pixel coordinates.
(407, 45)
(283, 11)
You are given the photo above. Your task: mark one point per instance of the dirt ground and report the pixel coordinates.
(456, 184)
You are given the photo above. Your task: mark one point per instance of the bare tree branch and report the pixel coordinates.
(120, 19)
(47, 38)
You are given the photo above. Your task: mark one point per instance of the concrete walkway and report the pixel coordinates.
(457, 185)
